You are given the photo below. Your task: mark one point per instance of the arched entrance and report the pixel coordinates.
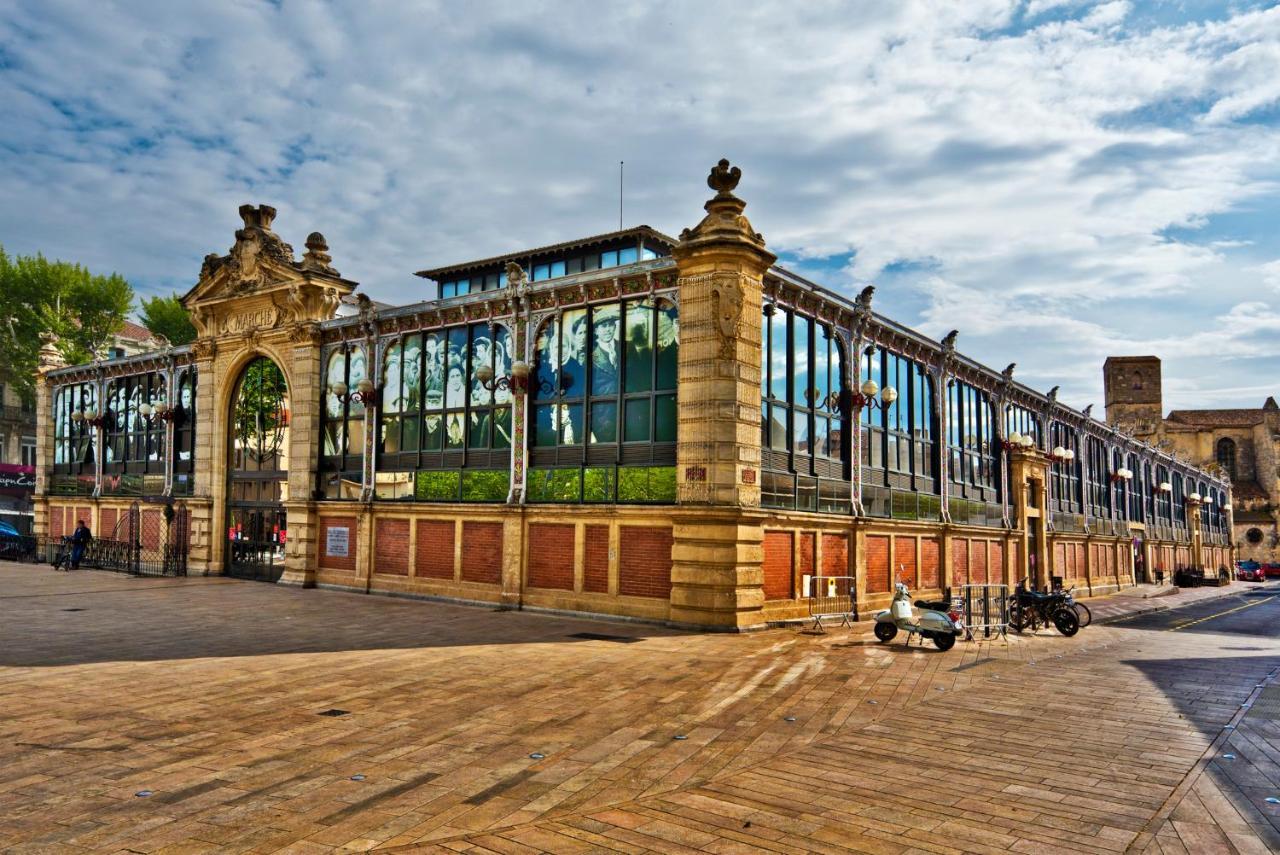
(257, 473)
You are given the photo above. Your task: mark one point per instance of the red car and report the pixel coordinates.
(1250, 571)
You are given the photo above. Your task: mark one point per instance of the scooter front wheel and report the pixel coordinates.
(944, 641)
(885, 631)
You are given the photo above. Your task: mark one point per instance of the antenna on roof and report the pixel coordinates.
(621, 165)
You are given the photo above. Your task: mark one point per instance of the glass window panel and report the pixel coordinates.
(432, 432)
(637, 421)
(547, 372)
(778, 356)
(570, 424)
(800, 432)
(639, 358)
(391, 375)
(604, 351)
(573, 353)
(409, 432)
(357, 371)
(665, 418)
(455, 385)
(502, 427)
(557, 269)
(822, 365)
(627, 256)
(464, 286)
(389, 429)
(646, 254)
(609, 259)
(668, 346)
(777, 428)
(544, 418)
(801, 332)
(591, 262)
(540, 272)
(454, 430)
(411, 376)
(502, 362)
(481, 354)
(433, 353)
(604, 421)
(821, 431)
(573, 265)
(478, 430)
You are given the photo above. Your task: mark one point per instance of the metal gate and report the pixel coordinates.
(148, 539)
(256, 536)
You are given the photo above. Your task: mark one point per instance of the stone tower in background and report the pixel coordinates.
(1133, 394)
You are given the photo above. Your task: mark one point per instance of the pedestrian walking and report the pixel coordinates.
(79, 543)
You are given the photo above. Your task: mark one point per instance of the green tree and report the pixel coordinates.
(166, 316)
(39, 295)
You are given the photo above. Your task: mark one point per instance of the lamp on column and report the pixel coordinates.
(871, 395)
(515, 383)
(1018, 442)
(1062, 455)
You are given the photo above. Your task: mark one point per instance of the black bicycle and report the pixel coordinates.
(1033, 609)
(1081, 610)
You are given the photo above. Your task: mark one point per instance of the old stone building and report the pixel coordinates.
(673, 429)
(1242, 444)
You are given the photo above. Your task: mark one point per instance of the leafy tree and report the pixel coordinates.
(166, 316)
(39, 295)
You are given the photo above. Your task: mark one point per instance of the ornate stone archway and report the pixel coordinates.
(258, 300)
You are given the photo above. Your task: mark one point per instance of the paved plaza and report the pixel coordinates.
(466, 729)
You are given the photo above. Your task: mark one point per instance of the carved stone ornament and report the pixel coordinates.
(724, 222)
(49, 356)
(726, 297)
(317, 255)
(306, 334)
(203, 348)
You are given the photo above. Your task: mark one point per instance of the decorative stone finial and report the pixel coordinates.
(317, 255)
(949, 340)
(49, 357)
(1007, 374)
(1053, 394)
(259, 217)
(724, 179)
(1088, 411)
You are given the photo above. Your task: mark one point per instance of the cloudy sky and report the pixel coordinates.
(1060, 180)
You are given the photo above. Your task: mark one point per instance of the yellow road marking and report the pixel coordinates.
(1256, 602)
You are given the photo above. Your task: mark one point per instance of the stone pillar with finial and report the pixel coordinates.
(716, 575)
(49, 359)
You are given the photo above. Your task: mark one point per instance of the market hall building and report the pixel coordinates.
(629, 424)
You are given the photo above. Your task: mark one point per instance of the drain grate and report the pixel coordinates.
(1267, 705)
(334, 713)
(74, 610)
(599, 636)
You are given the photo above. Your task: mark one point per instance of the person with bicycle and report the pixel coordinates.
(79, 543)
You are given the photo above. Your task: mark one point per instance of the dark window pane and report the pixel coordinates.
(637, 418)
(639, 364)
(570, 424)
(604, 421)
(547, 370)
(478, 430)
(502, 427)
(665, 419)
(389, 425)
(544, 417)
(410, 432)
(432, 432)
(668, 346)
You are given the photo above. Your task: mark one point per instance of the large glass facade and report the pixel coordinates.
(971, 440)
(603, 404)
(804, 415)
(1098, 488)
(444, 435)
(342, 423)
(75, 441)
(134, 435)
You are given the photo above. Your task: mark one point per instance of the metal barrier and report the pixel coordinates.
(141, 545)
(830, 596)
(983, 607)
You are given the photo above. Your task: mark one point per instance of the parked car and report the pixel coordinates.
(1250, 571)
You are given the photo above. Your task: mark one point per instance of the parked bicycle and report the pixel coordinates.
(1032, 609)
(1081, 610)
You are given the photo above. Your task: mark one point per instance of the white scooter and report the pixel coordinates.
(938, 624)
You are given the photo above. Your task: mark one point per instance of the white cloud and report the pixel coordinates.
(1052, 177)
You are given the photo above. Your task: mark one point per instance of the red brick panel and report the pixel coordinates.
(391, 547)
(835, 554)
(337, 562)
(644, 567)
(85, 514)
(595, 560)
(433, 550)
(55, 522)
(978, 563)
(106, 523)
(995, 571)
(877, 564)
(904, 560)
(777, 565)
(807, 559)
(1184, 557)
(550, 556)
(929, 563)
(959, 561)
(1059, 567)
(152, 529)
(482, 552)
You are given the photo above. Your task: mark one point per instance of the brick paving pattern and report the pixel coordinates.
(208, 694)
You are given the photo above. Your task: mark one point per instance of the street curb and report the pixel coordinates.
(1164, 607)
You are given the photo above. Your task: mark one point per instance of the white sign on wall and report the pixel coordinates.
(337, 541)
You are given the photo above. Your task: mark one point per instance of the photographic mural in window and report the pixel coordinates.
(343, 421)
(184, 421)
(75, 440)
(603, 396)
(134, 437)
(804, 414)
